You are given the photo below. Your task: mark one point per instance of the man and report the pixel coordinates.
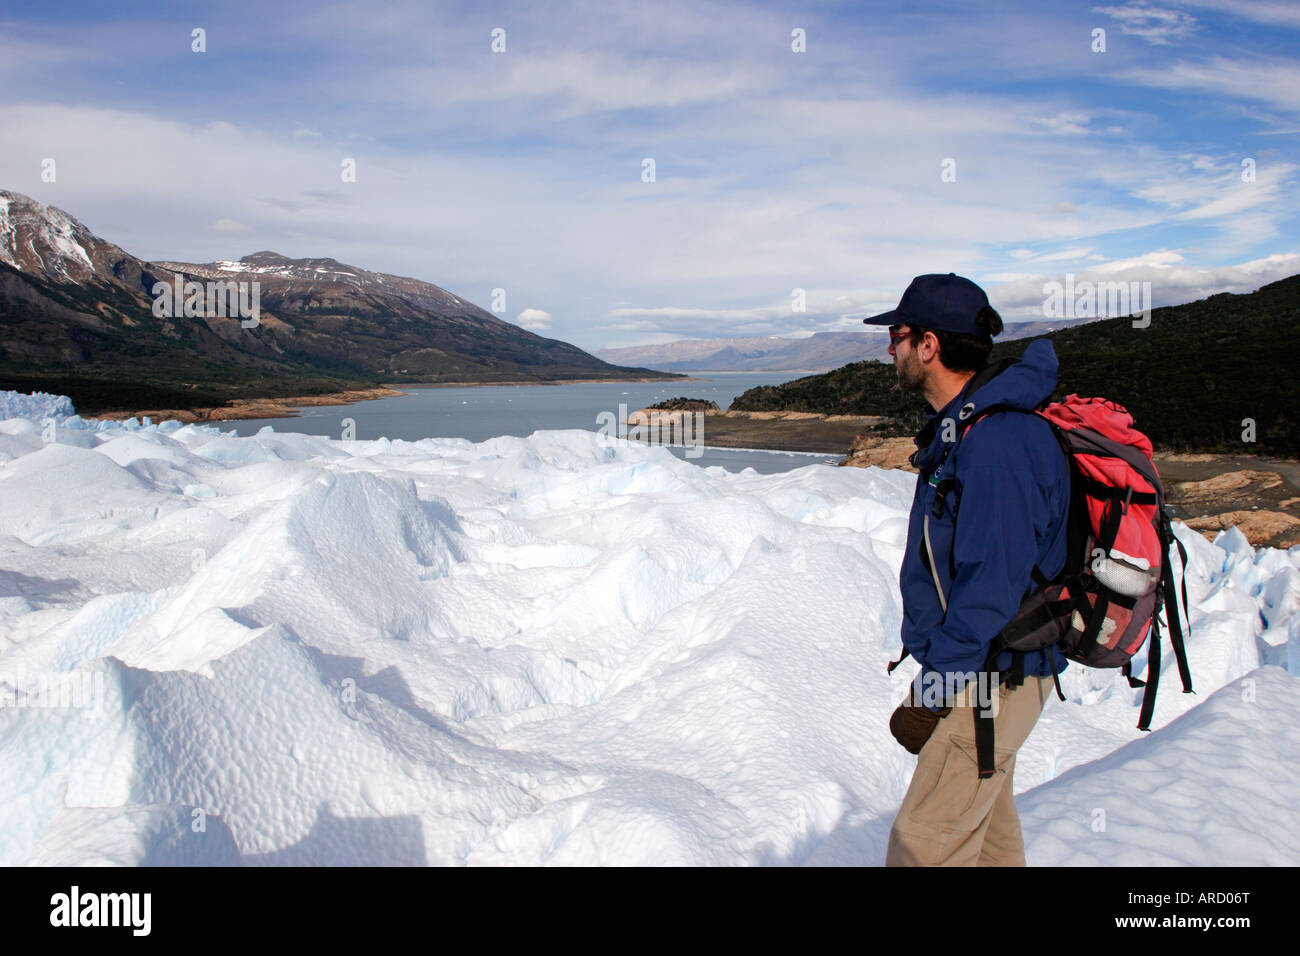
(990, 505)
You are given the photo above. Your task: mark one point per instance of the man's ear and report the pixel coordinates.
(927, 339)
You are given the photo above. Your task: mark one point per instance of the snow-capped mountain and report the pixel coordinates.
(43, 241)
(76, 304)
(287, 276)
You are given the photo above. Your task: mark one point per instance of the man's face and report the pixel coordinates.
(911, 373)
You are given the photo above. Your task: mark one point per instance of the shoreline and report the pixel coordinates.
(1207, 490)
(286, 407)
(554, 381)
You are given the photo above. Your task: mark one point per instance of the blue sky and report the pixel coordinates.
(774, 170)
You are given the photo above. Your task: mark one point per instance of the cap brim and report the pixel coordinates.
(885, 318)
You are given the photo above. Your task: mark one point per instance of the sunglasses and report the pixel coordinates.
(896, 336)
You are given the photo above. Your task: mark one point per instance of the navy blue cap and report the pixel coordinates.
(948, 303)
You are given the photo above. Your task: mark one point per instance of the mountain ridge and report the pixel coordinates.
(819, 352)
(75, 307)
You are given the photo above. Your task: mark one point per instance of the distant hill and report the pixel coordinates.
(77, 317)
(1190, 378)
(772, 353)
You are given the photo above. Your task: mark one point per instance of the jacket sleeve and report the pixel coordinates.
(1002, 510)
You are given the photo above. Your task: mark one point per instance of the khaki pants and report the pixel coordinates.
(950, 817)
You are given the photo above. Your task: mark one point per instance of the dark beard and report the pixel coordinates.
(904, 385)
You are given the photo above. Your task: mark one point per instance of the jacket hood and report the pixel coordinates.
(1025, 383)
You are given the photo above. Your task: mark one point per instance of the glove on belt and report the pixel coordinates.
(913, 724)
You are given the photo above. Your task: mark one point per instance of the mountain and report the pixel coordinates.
(1209, 376)
(74, 306)
(695, 353)
(39, 240)
(821, 351)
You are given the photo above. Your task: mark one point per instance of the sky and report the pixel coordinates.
(834, 148)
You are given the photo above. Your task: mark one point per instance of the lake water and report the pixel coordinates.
(481, 412)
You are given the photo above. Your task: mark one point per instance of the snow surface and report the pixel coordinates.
(564, 649)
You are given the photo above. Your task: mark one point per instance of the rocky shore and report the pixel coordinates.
(241, 408)
(1260, 496)
(778, 431)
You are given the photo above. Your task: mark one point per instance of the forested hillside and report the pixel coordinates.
(1191, 378)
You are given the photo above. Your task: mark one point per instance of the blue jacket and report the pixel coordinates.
(1011, 494)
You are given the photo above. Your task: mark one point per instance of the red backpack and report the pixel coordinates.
(1105, 602)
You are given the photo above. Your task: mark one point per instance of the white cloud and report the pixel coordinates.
(228, 225)
(728, 247)
(1064, 255)
(1172, 281)
(1069, 122)
(1278, 12)
(711, 315)
(1270, 81)
(1156, 259)
(1211, 194)
(1156, 25)
(535, 320)
(21, 56)
(776, 170)
(1003, 278)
